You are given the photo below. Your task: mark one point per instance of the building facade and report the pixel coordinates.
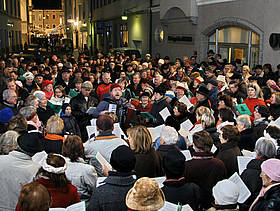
(77, 21)
(236, 29)
(10, 25)
(47, 22)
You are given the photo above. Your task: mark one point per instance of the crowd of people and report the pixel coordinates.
(48, 102)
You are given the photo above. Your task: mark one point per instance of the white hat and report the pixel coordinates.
(226, 192)
(28, 75)
(182, 85)
(145, 64)
(221, 78)
(60, 65)
(161, 61)
(170, 94)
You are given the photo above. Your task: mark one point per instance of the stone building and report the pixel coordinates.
(236, 29)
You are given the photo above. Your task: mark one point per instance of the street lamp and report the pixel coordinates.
(124, 17)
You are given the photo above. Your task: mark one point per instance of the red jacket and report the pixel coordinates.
(103, 89)
(252, 102)
(59, 198)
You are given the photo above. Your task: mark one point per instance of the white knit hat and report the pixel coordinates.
(28, 75)
(226, 192)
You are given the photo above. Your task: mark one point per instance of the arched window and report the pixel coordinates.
(236, 43)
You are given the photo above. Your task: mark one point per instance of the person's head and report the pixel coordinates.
(55, 125)
(86, 88)
(34, 196)
(42, 98)
(10, 96)
(47, 85)
(261, 111)
(202, 93)
(78, 83)
(54, 167)
(207, 120)
(202, 141)
(116, 91)
(265, 148)
(65, 74)
(275, 98)
(8, 142)
(258, 69)
(66, 109)
(29, 77)
(136, 78)
(18, 123)
(32, 100)
(270, 172)
(145, 98)
(226, 114)
(243, 122)
(229, 133)
(11, 84)
(168, 136)
(211, 84)
(233, 86)
(225, 101)
(106, 77)
(39, 79)
(145, 195)
(29, 113)
(140, 139)
(159, 93)
(105, 123)
(225, 192)
(59, 91)
(123, 159)
(158, 80)
(254, 91)
(273, 133)
(29, 143)
(180, 109)
(245, 70)
(200, 111)
(174, 164)
(73, 148)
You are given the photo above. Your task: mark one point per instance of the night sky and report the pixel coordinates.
(46, 4)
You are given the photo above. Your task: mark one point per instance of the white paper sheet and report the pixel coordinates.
(118, 131)
(103, 161)
(164, 113)
(248, 153)
(197, 128)
(93, 122)
(187, 154)
(174, 207)
(186, 125)
(160, 181)
(213, 149)
(81, 206)
(186, 101)
(155, 131)
(243, 162)
(91, 110)
(92, 130)
(100, 181)
(112, 108)
(244, 193)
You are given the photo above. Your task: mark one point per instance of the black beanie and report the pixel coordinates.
(123, 159)
(174, 164)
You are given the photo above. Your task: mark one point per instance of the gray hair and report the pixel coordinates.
(40, 95)
(87, 85)
(27, 111)
(208, 120)
(265, 148)
(169, 135)
(31, 100)
(8, 142)
(245, 120)
(7, 93)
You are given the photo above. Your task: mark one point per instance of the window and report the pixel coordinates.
(40, 26)
(53, 25)
(236, 43)
(159, 34)
(53, 16)
(47, 26)
(40, 17)
(33, 18)
(124, 35)
(47, 16)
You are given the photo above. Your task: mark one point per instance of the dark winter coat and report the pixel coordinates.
(247, 140)
(148, 164)
(158, 106)
(70, 125)
(259, 127)
(111, 195)
(52, 143)
(178, 191)
(275, 111)
(228, 153)
(251, 178)
(205, 171)
(44, 114)
(270, 201)
(214, 135)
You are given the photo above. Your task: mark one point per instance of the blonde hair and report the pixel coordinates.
(202, 110)
(277, 97)
(55, 125)
(247, 68)
(208, 120)
(141, 138)
(255, 86)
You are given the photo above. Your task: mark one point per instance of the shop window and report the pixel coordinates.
(124, 35)
(236, 43)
